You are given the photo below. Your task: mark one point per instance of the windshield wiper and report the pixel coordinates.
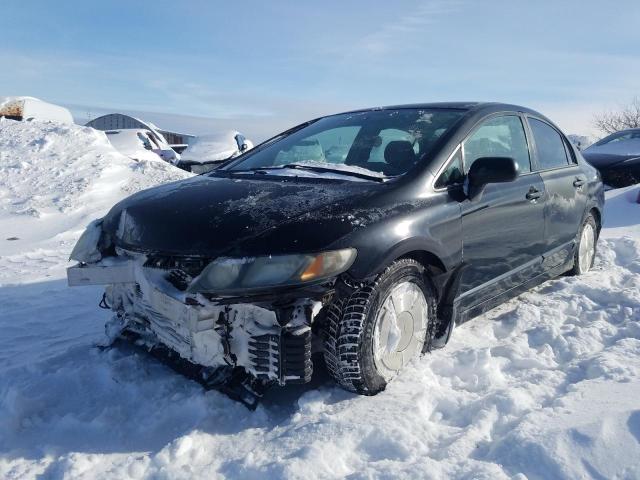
(299, 166)
(314, 168)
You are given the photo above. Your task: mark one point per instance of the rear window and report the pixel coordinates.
(550, 147)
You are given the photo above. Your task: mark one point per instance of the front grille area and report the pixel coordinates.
(169, 332)
(180, 270)
(286, 355)
(232, 335)
(189, 265)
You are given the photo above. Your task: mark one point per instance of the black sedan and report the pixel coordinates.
(430, 215)
(617, 157)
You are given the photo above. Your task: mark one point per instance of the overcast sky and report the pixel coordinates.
(262, 66)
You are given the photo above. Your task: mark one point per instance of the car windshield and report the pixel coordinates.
(377, 143)
(619, 137)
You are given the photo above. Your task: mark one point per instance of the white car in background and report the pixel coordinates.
(207, 152)
(141, 144)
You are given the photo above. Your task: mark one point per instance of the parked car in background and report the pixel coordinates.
(617, 157)
(437, 213)
(141, 144)
(30, 108)
(207, 152)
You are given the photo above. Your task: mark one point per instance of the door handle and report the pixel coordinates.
(533, 194)
(578, 182)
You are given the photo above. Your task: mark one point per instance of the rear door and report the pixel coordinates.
(565, 185)
(503, 230)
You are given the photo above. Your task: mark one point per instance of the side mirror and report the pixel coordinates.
(244, 147)
(487, 170)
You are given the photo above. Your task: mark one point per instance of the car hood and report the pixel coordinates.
(604, 159)
(212, 216)
(612, 153)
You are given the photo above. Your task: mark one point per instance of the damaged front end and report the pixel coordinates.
(240, 325)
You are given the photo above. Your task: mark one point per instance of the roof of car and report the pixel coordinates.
(467, 106)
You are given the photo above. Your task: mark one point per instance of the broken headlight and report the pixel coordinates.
(86, 249)
(243, 274)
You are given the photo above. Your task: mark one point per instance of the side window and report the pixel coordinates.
(453, 174)
(499, 137)
(549, 145)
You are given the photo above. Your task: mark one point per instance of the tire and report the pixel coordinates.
(584, 264)
(350, 328)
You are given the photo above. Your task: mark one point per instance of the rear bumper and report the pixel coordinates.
(269, 336)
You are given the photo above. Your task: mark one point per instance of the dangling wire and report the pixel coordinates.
(103, 303)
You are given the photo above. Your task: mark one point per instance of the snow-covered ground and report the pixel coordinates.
(547, 386)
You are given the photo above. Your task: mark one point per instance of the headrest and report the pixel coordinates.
(400, 154)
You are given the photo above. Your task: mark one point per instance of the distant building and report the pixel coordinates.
(119, 121)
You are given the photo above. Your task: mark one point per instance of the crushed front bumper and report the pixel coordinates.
(269, 337)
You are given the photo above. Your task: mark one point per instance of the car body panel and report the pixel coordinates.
(564, 210)
(503, 232)
(211, 215)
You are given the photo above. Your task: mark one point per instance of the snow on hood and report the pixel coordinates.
(55, 178)
(212, 148)
(207, 215)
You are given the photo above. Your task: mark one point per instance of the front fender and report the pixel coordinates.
(434, 231)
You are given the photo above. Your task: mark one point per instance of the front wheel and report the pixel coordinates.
(586, 248)
(374, 333)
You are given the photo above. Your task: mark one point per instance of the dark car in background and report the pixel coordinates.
(423, 217)
(617, 157)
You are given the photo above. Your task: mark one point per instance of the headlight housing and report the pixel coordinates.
(86, 249)
(226, 275)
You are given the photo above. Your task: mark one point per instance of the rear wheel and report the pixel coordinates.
(374, 333)
(586, 249)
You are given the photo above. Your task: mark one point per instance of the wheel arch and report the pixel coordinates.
(597, 215)
(429, 260)
(433, 256)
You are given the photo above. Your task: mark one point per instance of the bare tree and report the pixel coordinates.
(613, 121)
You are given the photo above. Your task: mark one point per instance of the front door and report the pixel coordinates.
(503, 229)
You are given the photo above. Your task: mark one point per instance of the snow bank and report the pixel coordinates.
(28, 108)
(546, 386)
(54, 179)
